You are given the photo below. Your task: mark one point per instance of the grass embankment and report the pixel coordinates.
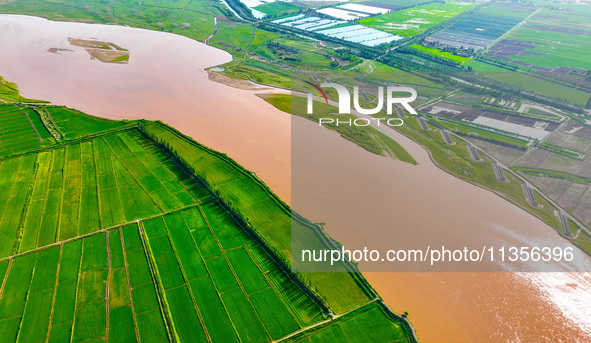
(366, 137)
(269, 217)
(9, 93)
(266, 218)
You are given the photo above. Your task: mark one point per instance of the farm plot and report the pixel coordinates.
(75, 124)
(352, 33)
(342, 13)
(515, 124)
(569, 191)
(550, 41)
(252, 4)
(80, 188)
(185, 271)
(80, 291)
(345, 329)
(361, 34)
(266, 213)
(307, 23)
(230, 279)
(278, 8)
(573, 136)
(438, 52)
(529, 82)
(412, 21)
(21, 129)
(482, 28)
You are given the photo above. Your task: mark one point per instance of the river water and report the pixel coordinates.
(165, 79)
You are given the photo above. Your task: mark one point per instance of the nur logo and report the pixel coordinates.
(391, 97)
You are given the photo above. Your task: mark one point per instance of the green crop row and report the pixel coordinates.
(82, 187)
(79, 291)
(190, 275)
(223, 266)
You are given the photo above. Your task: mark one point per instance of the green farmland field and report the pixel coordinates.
(70, 197)
(21, 129)
(525, 81)
(552, 38)
(278, 8)
(127, 232)
(412, 21)
(438, 52)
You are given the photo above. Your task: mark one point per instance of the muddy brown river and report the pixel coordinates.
(384, 199)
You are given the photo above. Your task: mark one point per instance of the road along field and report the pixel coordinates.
(138, 233)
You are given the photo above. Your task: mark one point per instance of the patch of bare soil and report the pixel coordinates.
(109, 56)
(236, 83)
(225, 19)
(59, 51)
(96, 44)
(106, 52)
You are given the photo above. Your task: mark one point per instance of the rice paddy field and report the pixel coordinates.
(482, 28)
(278, 8)
(529, 82)
(391, 4)
(132, 232)
(551, 40)
(412, 21)
(21, 129)
(439, 52)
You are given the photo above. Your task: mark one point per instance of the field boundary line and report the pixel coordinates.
(129, 290)
(98, 190)
(186, 280)
(168, 170)
(66, 142)
(327, 321)
(57, 278)
(108, 287)
(5, 277)
(27, 203)
(110, 228)
(238, 281)
(76, 294)
(518, 25)
(20, 324)
(34, 128)
(158, 287)
(131, 175)
(61, 206)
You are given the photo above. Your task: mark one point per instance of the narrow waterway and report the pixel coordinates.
(364, 199)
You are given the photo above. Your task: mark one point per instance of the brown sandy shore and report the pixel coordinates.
(166, 79)
(241, 83)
